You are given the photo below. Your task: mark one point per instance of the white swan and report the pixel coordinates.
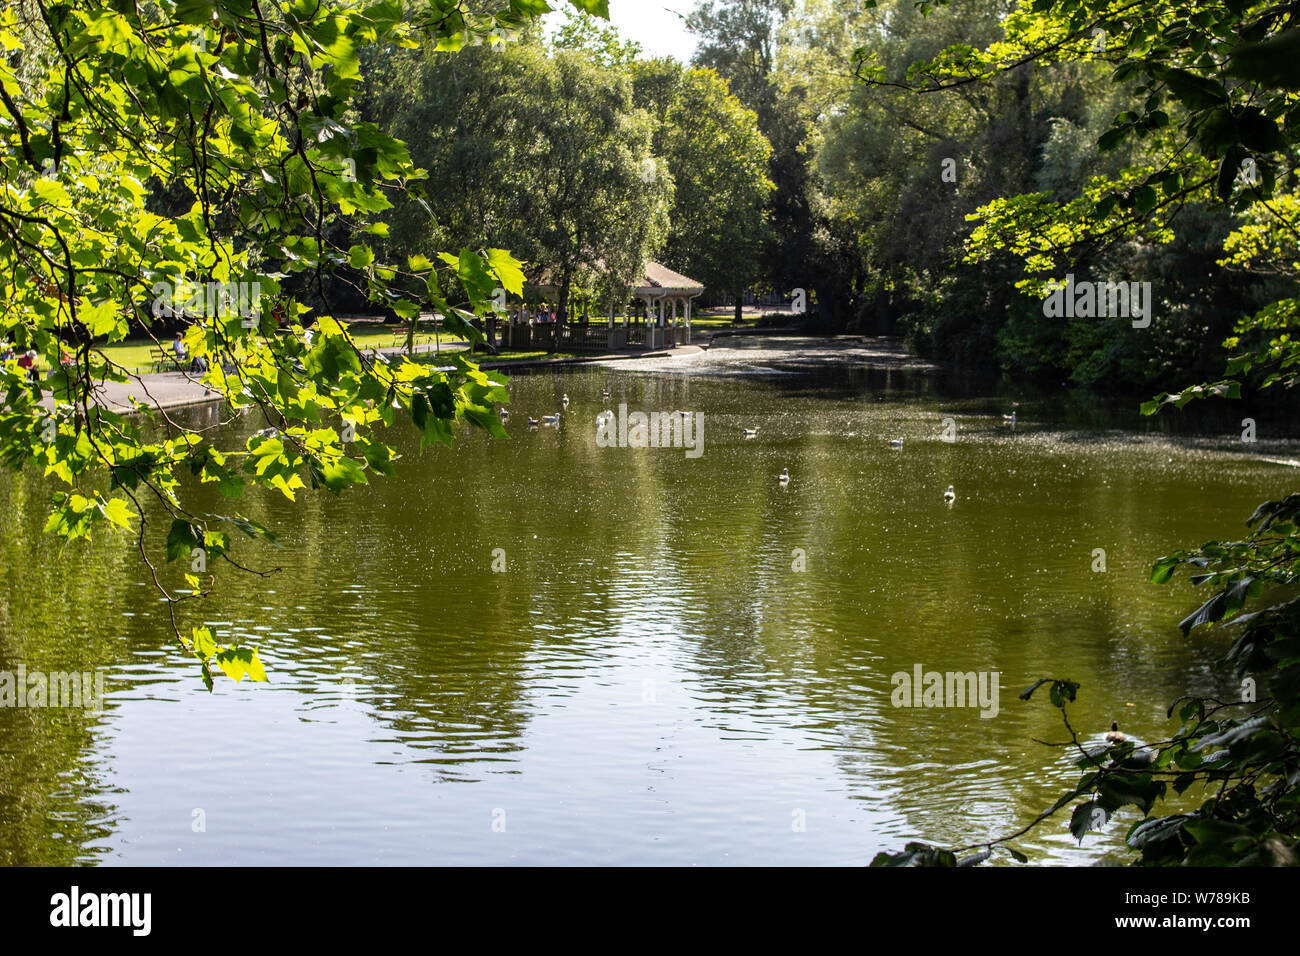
(950, 496)
(784, 477)
(896, 443)
(751, 432)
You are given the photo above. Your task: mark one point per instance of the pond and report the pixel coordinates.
(545, 651)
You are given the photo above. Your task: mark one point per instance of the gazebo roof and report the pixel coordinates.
(658, 280)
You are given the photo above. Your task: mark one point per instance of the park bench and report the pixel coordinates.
(400, 333)
(164, 360)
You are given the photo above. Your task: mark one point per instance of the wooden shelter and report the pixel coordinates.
(668, 297)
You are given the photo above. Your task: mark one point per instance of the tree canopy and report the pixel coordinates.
(717, 159)
(1207, 125)
(148, 148)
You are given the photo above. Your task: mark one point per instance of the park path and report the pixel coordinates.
(178, 389)
(165, 390)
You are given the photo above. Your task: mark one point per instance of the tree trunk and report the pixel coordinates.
(561, 312)
(740, 314)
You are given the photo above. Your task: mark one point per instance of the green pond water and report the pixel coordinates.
(652, 679)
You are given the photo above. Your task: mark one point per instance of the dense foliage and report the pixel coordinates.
(907, 135)
(582, 160)
(1212, 127)
(199, 153)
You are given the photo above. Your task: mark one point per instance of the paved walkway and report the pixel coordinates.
(178, 389)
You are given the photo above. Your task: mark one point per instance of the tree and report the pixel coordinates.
(738, 40)
(601, 43)
(717, 159)
(1216, 122)
(742, 40)
(543, 153)
(243, 111)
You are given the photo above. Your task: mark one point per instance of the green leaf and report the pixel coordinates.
(1086, 817)
(361, 256)
(343, 472)
(1029, 691)
(1195, 92)
(204, 643)
(182, 539)
(1271, 62)
(508, 269)
(100, 319)
(241, 662)
(597, 8)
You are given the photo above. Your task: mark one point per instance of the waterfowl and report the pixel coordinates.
(565, 400)
(1010, 419)
(751, 432)
(1141, 757)
(784, 477)
(604, 393)
(896, 443)
(551, 419)
(533, 423)
(950, 496)
(505, 415)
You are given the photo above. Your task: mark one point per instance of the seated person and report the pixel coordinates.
(28, 361)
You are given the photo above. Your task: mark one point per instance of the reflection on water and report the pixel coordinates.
(650, 680)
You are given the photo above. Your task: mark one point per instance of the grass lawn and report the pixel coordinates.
(722, 318)
(486, 358)
(134, 356)
(713, 321)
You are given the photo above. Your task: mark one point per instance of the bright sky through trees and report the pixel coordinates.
(658, 25)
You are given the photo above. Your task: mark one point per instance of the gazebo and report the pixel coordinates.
(668, 298)
(664, 293)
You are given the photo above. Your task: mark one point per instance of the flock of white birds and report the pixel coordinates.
(949, 496)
